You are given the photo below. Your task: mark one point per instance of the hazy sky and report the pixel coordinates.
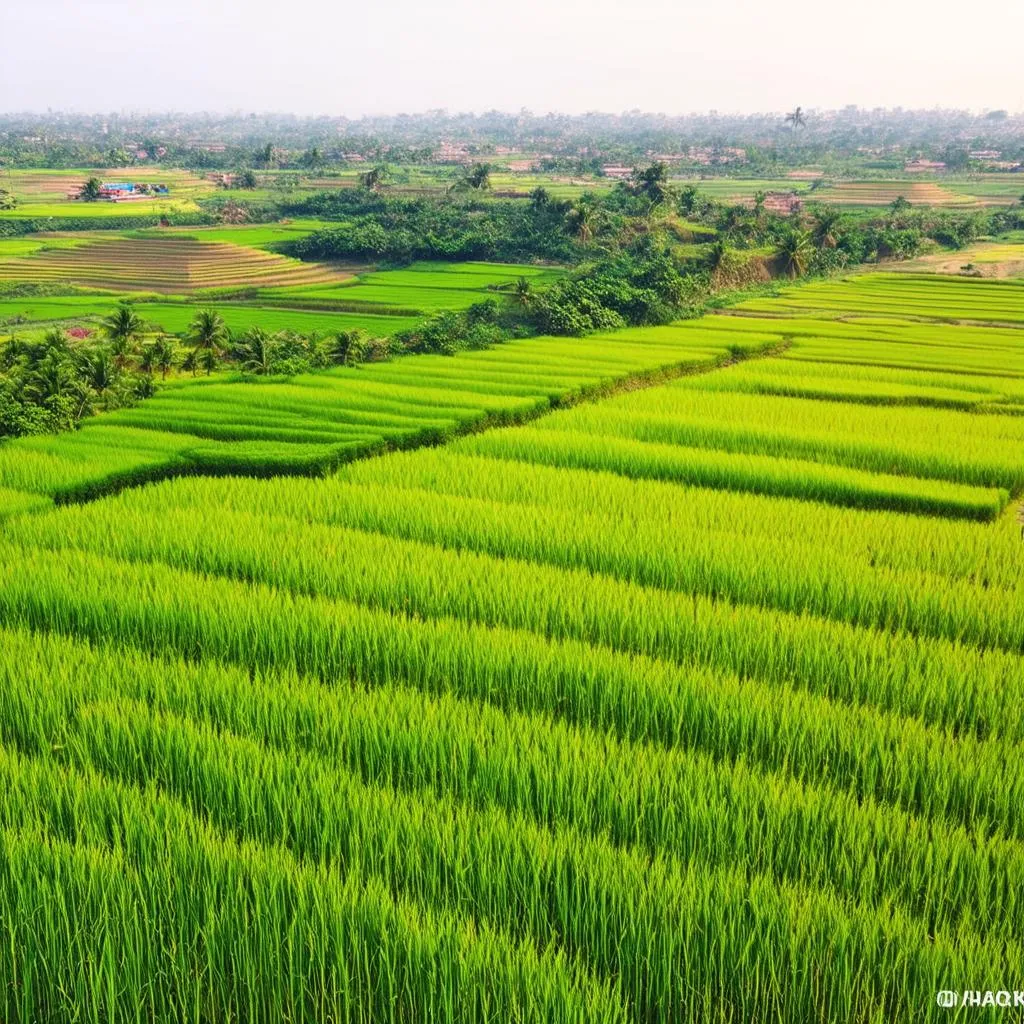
(348, 58)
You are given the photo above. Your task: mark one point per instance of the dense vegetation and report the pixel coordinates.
(866, 141)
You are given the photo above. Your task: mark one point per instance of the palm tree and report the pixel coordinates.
(826, 223)
(583, 219)
(147, 359)
(208, 360)
(208, 332)
(375, 176)
(349, 347)
(164, 352)
(255, 351)
(56, 383)
(794, 252)
(123, 329)
(102, 373)
(523, 292)
(478, 177)
(795, 118)
(191, 362)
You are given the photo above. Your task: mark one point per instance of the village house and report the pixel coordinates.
(920, 164)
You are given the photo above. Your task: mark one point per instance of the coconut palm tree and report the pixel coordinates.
(123, 329)
(794, 253)
(795, 118)
(164, 354)
(826, 226)
(56, 383)
(256, 351)
(523, 292)
(208, 332)
(583, 219)
(208, 360)
(102, 374)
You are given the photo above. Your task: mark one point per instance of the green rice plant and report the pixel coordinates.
(941, 444)
(764, 474)
(638, 696)
(556, 775)
(426, 406)
(169, 898)
(442, 855)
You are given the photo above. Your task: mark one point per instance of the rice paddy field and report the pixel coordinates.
(168, 279)
(978, 191)
(167, 264)
(307, 424)
(42, 193)
(882, 193)
(671, 675)
(736, 190)
(902, 295)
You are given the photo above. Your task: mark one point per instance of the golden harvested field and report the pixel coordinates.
(169, 265)
(882, 193)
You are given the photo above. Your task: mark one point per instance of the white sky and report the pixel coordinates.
(674, 56)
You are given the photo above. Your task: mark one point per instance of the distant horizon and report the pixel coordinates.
(505, 111)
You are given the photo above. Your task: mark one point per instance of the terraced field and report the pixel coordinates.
(736, 190)
(697, 703)
(164, 265)
(381, 303)
(421, 288)
(905, 295)
(992, 189)
(306, 424)
(882, 193)
(1000, 259)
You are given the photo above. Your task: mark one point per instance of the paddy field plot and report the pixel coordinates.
(697, 702)
(164, 264)
(43, 194)
(248, 287)
(422, 288)
(306, 424)
(883, 193)
(906, 295)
